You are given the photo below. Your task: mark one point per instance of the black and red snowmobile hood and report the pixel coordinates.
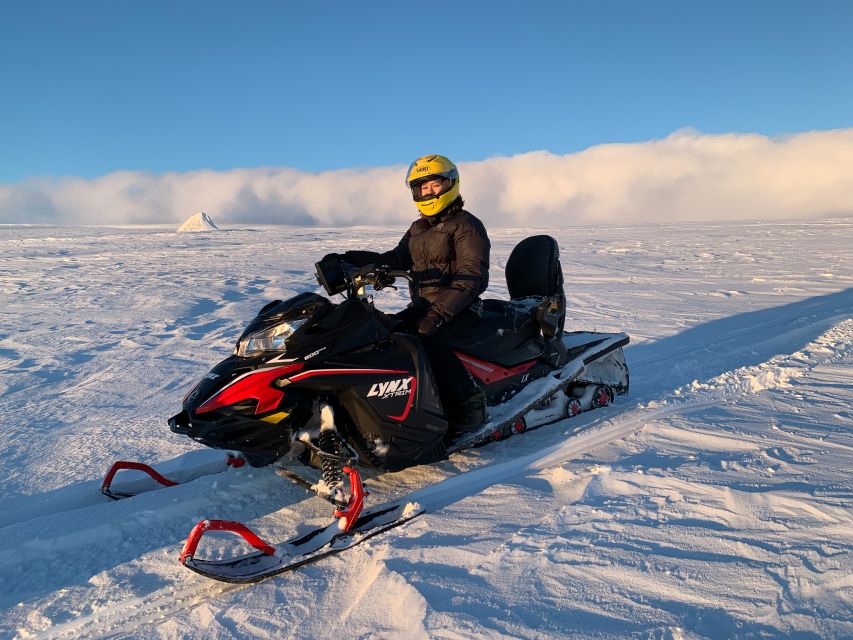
(240, 387)
(238, 380)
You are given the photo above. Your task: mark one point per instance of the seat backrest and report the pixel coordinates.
(533, 268)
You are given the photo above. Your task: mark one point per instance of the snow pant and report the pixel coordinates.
(455, 384)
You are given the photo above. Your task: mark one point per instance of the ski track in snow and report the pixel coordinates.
(714, 502)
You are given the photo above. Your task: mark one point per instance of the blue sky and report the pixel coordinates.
(89, 88)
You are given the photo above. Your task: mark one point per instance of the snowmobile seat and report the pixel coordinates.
(533, 269)
(504, 335)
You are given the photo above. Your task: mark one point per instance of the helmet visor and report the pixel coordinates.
(430, 187)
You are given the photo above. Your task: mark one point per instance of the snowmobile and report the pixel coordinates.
(331, 386)
(323, 381)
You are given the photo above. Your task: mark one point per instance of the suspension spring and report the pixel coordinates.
(332, 470)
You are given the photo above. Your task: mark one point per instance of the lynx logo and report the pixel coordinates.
(211, 376)
(391, 389)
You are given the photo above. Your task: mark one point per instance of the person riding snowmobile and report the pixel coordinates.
(447, 251)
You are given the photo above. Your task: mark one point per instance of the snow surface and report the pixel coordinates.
(713, 502)
(198, 222)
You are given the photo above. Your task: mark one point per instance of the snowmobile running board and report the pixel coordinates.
(230, 461)
(539, 392)
(315, 545)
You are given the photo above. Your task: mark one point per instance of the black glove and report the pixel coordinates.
(365, 269)
(410, 317)
(430, 323)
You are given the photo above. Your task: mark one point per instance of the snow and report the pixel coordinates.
(713, 502)
(198, 222)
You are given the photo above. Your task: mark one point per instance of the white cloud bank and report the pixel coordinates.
(686, 176)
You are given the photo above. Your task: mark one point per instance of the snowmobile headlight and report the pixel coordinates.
(272, 339)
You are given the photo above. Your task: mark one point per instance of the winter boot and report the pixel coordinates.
(472, 413)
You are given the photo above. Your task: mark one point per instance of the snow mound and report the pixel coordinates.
(198, 222)
(776, 373)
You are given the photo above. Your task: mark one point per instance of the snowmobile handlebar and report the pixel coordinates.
(338, 276)
(377, 276)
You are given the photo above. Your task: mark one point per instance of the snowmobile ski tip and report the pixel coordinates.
(120, 465)
(310, 547)
(135, 466)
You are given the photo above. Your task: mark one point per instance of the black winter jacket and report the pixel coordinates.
(448, 256)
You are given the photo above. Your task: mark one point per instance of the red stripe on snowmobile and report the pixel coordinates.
(222, 525)
(333, 372)
(489, 372)
(411, 401)
(255, 385)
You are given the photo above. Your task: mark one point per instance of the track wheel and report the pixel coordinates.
(574, 407)
(602, 397)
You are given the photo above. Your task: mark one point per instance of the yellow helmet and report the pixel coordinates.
(432, 168)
